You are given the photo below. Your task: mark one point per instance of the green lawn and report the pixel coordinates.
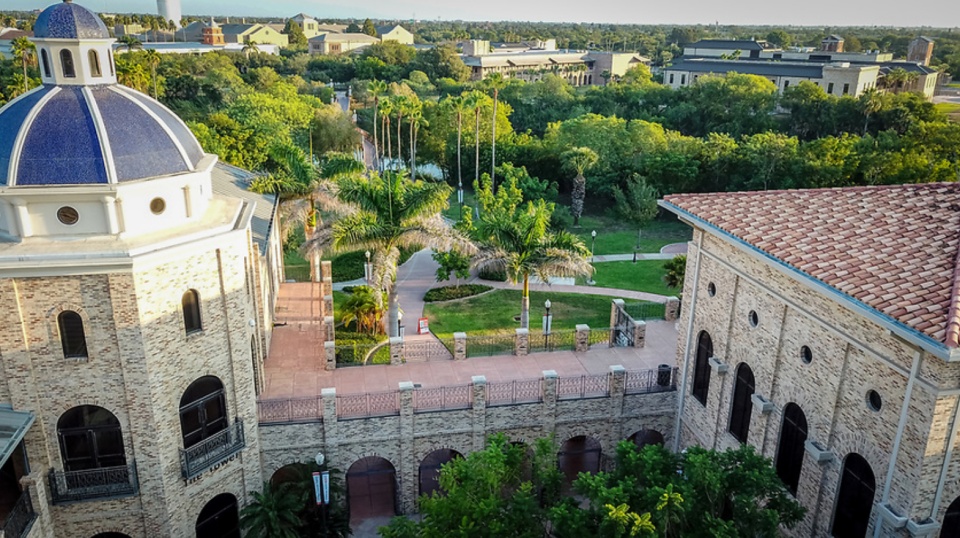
(469, 199)
(493, 312)
(644, 275)
(614, 238)
(948, 108)
(338, 298)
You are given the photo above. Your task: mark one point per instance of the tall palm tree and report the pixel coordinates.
(376, 88)
(129, 42)
(274, 512)
(495, 82)
(475, 102)
(153, 60)
(521, 243)
(248, 47)
(870, 103)
(401, 103)
(23, 49)
(415, 120)
(579, 160)
(386, 108)
(390, 212)
(459, 105)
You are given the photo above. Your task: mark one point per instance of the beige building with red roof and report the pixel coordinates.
(821, 327)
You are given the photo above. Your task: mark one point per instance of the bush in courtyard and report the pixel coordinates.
(449, 293)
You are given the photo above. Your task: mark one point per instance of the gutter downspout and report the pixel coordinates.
(686, 349)
(914, 372)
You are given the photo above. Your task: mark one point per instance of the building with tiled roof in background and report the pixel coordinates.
(395, 32)
(821, 327)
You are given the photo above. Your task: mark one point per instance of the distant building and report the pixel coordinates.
(257, 33)
(7, 35)
(832, 43)
(313, 28)
(920, 51)
(212, 34)
(340, 43)
(170, 11)
(838, 78)
(728, 48)
(395, 32)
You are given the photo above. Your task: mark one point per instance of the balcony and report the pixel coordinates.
(212, 450)
(93, 484)
(17, 522)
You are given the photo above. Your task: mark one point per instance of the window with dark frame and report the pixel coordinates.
(701, 367)
(72, 338)
(854, 498)
(90, 438)
(66, 64)
(742, 407)
(94, 58)
(191, 312)
(203, 410)
(793, 435)
(45, 60)
(951, 520)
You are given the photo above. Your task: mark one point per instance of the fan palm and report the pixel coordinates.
(274, 512)
(376, 88)
(578, 160)
(389, 212)
(521, 244)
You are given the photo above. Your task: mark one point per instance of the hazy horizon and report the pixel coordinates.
(814, 13)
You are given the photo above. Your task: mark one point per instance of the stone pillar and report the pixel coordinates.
(459, 346)
(330, 336)
(315, 267)
(614, 315)
(582, 338)
(521, 342)
(331, 430)
(326, 287)
(327, 305)
(549, 410)
(639, 333)
(479, 412)
(672, 311)
(408, 468)
(330, 354)
(617, 380)
(396, 350)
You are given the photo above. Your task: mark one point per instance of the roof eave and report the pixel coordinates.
(909, 334)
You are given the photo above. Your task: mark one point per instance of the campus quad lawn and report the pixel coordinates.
(615, 238)
(493, 312)
(646, 275)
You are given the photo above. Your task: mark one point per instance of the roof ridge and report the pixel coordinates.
(850, 188)
(952, 337)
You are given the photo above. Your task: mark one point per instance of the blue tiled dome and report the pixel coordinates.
(71, 135)
(69, 21)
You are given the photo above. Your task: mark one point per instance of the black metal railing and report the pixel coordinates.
(490, 344)
(212, 450)
(555, 341)
(91, 484)
(20, 518)
(289, 411)
(662, 379)
(645, 310)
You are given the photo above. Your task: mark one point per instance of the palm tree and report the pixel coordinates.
(376, 88)
(386, 108)
(521, 243)
(579, 160)
(153, 60)
(415, 120)
(460, 106)
(495, 82)
(401, 103)
(248, 47)
(364, 308)
(130, 42)
(23, 49)
(273, 513)
(475, 101)
(870, 102)
(390, 212)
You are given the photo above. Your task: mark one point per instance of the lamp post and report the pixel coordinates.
(547, 321)
(366, 268)
(460, 196)
(593, 248)
(399, 326)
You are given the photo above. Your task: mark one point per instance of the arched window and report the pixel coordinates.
(371, 489)
(110, 57)
(66, 64)
(793, 434)
(742, 403)
(430, 469)
(951, 520)
(854, 498)
(643, 438)
(219, 518)
(203, 410)
(94, 58)
(72, 339)
(90, 438)
(580, 454)
(701, 367)
(45, 61)
(191, 312)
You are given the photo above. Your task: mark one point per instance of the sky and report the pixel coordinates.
(900, 13)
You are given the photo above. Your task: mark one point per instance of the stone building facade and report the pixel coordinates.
(821, 301)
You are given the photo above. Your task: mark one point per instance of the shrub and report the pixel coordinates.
(349, 265)
(352, 347)
(496, 275)
(448, 293)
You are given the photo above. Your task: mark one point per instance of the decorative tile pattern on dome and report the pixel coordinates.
(62, 146)
(69, 21)
(893, 248)
(179, 129)
(11, 120)
(140, 147)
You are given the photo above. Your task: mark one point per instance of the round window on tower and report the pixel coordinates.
(68, 215)
(157, 206)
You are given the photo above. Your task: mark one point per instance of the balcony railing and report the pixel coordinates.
(212, 450)
(90, 484)
(21, 517)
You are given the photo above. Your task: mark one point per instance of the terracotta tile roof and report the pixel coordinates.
(893, 248)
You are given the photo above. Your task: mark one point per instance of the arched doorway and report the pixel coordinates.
(430, 469)
(790, 449)
(580, 454)
(294, 473)
(951, 520)
(219, 518)
(643, 438)
(854, 498)
(371, 488)
(111, 535)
